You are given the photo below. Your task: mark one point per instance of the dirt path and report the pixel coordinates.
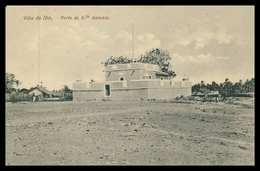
(129, 133)
(39, 118)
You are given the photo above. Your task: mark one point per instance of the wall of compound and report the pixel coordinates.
(181, 91)
(129, 94)
(168, 92)
(132, 90)
(88, 95)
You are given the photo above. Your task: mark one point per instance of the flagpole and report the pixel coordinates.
(132, 41)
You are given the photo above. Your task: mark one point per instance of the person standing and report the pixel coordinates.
(216, 99)
(34, 98)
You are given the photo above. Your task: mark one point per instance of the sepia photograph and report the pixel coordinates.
(130, 85)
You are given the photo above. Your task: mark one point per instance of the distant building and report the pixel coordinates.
(213, 94)
(185, 78)
(42, 92)
(199, 94)
(132, 81)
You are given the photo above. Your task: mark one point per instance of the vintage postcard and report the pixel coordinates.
(130, 85)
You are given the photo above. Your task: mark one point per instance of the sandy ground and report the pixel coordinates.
(130, 133)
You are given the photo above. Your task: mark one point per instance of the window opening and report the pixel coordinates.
(147, 76)
(121, 79)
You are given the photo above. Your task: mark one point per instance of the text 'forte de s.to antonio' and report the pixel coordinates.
(83, 17)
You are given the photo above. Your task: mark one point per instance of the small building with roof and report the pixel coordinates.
(42, 92)
(199, 94)
(213, 94)
(132, 81)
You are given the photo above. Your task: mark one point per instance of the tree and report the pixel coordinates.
(240, 82)
(66, 89)
(249, 86)
(31, 89)
(252, 85)
(116, 60)
(155, 56)
(9, 82)
(235, 88)
(204, 90)
(195, 88)
(202, 84)
(17, 82)
(159, 57)
(66, 93)
(24, 90)
(208, 86)
(214, 86)
(171, 73)
(246, 86)
(201, 87)
(240, 86)
(226, 88)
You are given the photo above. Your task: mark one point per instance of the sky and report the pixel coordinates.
(209, 43)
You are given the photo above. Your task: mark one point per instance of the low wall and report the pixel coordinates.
(165, 83)
(160, 93)
(177, 83)
(168, 92)
(142, 83)
(153, 83)
(88, 95)
(129, 94)
(88, 85)
(81, 85)
(118, 84)
(181, 91)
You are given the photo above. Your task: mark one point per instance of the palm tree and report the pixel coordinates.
(246, 86)
(202, 84)
(226, 80)
(240, 82)
(65, 89)
(252, 85)
(240, 86)
(17, 83)
(236, 88)
(214, 86)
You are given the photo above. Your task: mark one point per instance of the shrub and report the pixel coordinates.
(191, 97)
(67, 97)
(14, 97)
